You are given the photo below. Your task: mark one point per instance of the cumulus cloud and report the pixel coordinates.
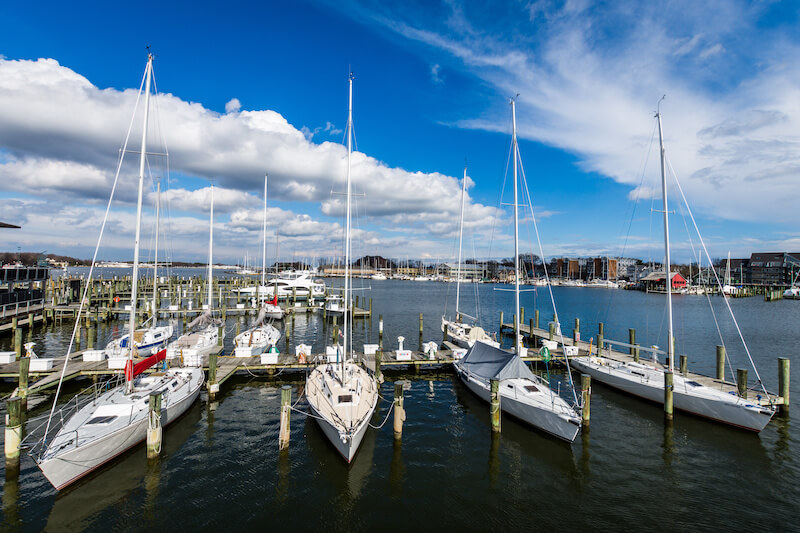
(61, 138)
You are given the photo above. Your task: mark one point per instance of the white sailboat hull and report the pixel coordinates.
(648, 383)
(343, 424)
(62, 468)
(559, 421)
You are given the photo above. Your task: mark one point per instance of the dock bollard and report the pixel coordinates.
(741, 382)
(13, 434)
(494, 405)
(668, 395)
(586, 397)
(154, 433)
(783, 383)
(684, 364)
(720, 363)
(22, 393)
(399, 411)
(286, 409)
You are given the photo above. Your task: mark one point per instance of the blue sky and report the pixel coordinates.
(252, 88)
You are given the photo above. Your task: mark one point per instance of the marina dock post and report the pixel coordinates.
(378, 361)
(536, 319)
(13, 435)
(18, 341)
(494, 405)
(720, 363)
(783, 383)
(500, 329)
(24, 367)
(212, 385)
(531, 336)
(399, 411)
(600, 344)
(741, 382)
(286, 409)
(576, 331)
(668, 411)
(632, 339)
(154, 433)
(636, 353)
(552, 330)
(586, 398)
(421, 349)
(600, 328)
(684, 364)
(380, 331)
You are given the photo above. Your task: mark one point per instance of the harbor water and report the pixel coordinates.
(220, 467)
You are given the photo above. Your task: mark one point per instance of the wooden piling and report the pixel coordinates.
(380, 331)
(212, 375)
(720, 363)
(576, 331)
(154, 432)
(600, 329)
(668, 380)
(18, 341)
(501, 322)
(600, 344)
(552, 330)
(586, 397)
(286, 409)
(399, 410)
(521, 314)
(536, 318)
(783, 383)
(531, 336)
(378, 362)
(494, 405)
(636, 353)
(420, 333)
(631, 339)
(13, 434)
(24, 367)
(684, 364)
(741, 382)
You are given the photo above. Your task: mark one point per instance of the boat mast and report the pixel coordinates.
(515, 152)
(135, 274)
(668, 279)
(347, 224)
(264, 251)
(155, 262)
(211, 252)
(460, 237)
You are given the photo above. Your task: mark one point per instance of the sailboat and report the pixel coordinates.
(463, 333)
(91, 431)
(648, 380)
(342, 395)
(523, 394)
(271, 308)
(146, 341)
(202, 334)
(261, 337)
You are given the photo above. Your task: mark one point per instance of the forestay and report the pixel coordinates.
(489, 362)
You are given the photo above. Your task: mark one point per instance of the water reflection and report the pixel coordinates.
(397, 469)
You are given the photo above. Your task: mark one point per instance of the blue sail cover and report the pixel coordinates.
(494, 363)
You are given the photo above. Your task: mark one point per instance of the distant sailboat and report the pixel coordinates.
(460, 332)
(202, 334)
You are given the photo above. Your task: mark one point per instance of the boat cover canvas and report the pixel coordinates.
(494, 363)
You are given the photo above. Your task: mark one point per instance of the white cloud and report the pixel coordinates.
(589, 78)
(62, 135)
(233, 106)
